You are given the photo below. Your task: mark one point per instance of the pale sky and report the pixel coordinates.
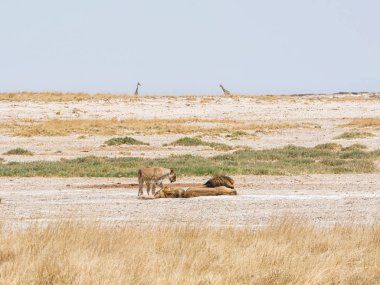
(190, 47)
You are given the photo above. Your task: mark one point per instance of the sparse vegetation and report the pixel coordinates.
(354, 147)
(124, 140)
(59, 127)
(187, 141)
(342, 97)
(354, 135)
(350, 97)
(288, 251)
(18, 151)
(281, 161)
(65, 97)
(329, 146)
(338, 147)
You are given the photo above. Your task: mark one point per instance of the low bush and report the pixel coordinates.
(18, 151)
(188, 141)
(124, 140)
(354, 135)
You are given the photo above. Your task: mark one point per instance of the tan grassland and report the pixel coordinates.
(286, 252)
(373, 123)
(54, 97)
(150, 126)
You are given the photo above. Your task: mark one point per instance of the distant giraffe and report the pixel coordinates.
(225, 91)
(137, 89)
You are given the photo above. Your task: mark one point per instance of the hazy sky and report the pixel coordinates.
(189, 47)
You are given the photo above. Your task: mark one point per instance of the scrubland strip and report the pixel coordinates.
(290, 160)
(66, 97)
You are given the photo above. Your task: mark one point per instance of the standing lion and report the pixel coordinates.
(153, 176)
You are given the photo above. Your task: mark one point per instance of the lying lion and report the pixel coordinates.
(168, 192)
(204, 191)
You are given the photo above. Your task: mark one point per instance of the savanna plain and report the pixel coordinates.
(306, 169)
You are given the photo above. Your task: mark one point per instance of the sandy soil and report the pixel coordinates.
(250, 108)
(326, 112)
(324, 199)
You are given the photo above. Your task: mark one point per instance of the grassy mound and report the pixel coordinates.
(354, 135)
(18, 151)
(188, 141)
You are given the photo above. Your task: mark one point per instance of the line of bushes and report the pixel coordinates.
(290, 160)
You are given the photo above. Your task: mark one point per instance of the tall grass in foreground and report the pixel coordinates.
(286, 252)
(290, 160)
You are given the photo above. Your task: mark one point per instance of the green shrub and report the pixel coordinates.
(354, 135)
(18, 151)
(187, 141)
(124, 140)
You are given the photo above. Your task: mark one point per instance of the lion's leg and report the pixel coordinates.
(148, 188)
(141, 185)
(157, 183)
(154, 188)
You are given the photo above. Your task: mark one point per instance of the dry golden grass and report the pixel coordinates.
(373, 123)
(208, 100)
(319, 97)
(353, 98)
(59, 127)
(64, 97)
(272, 98)
(55, 96)
(286, 252)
